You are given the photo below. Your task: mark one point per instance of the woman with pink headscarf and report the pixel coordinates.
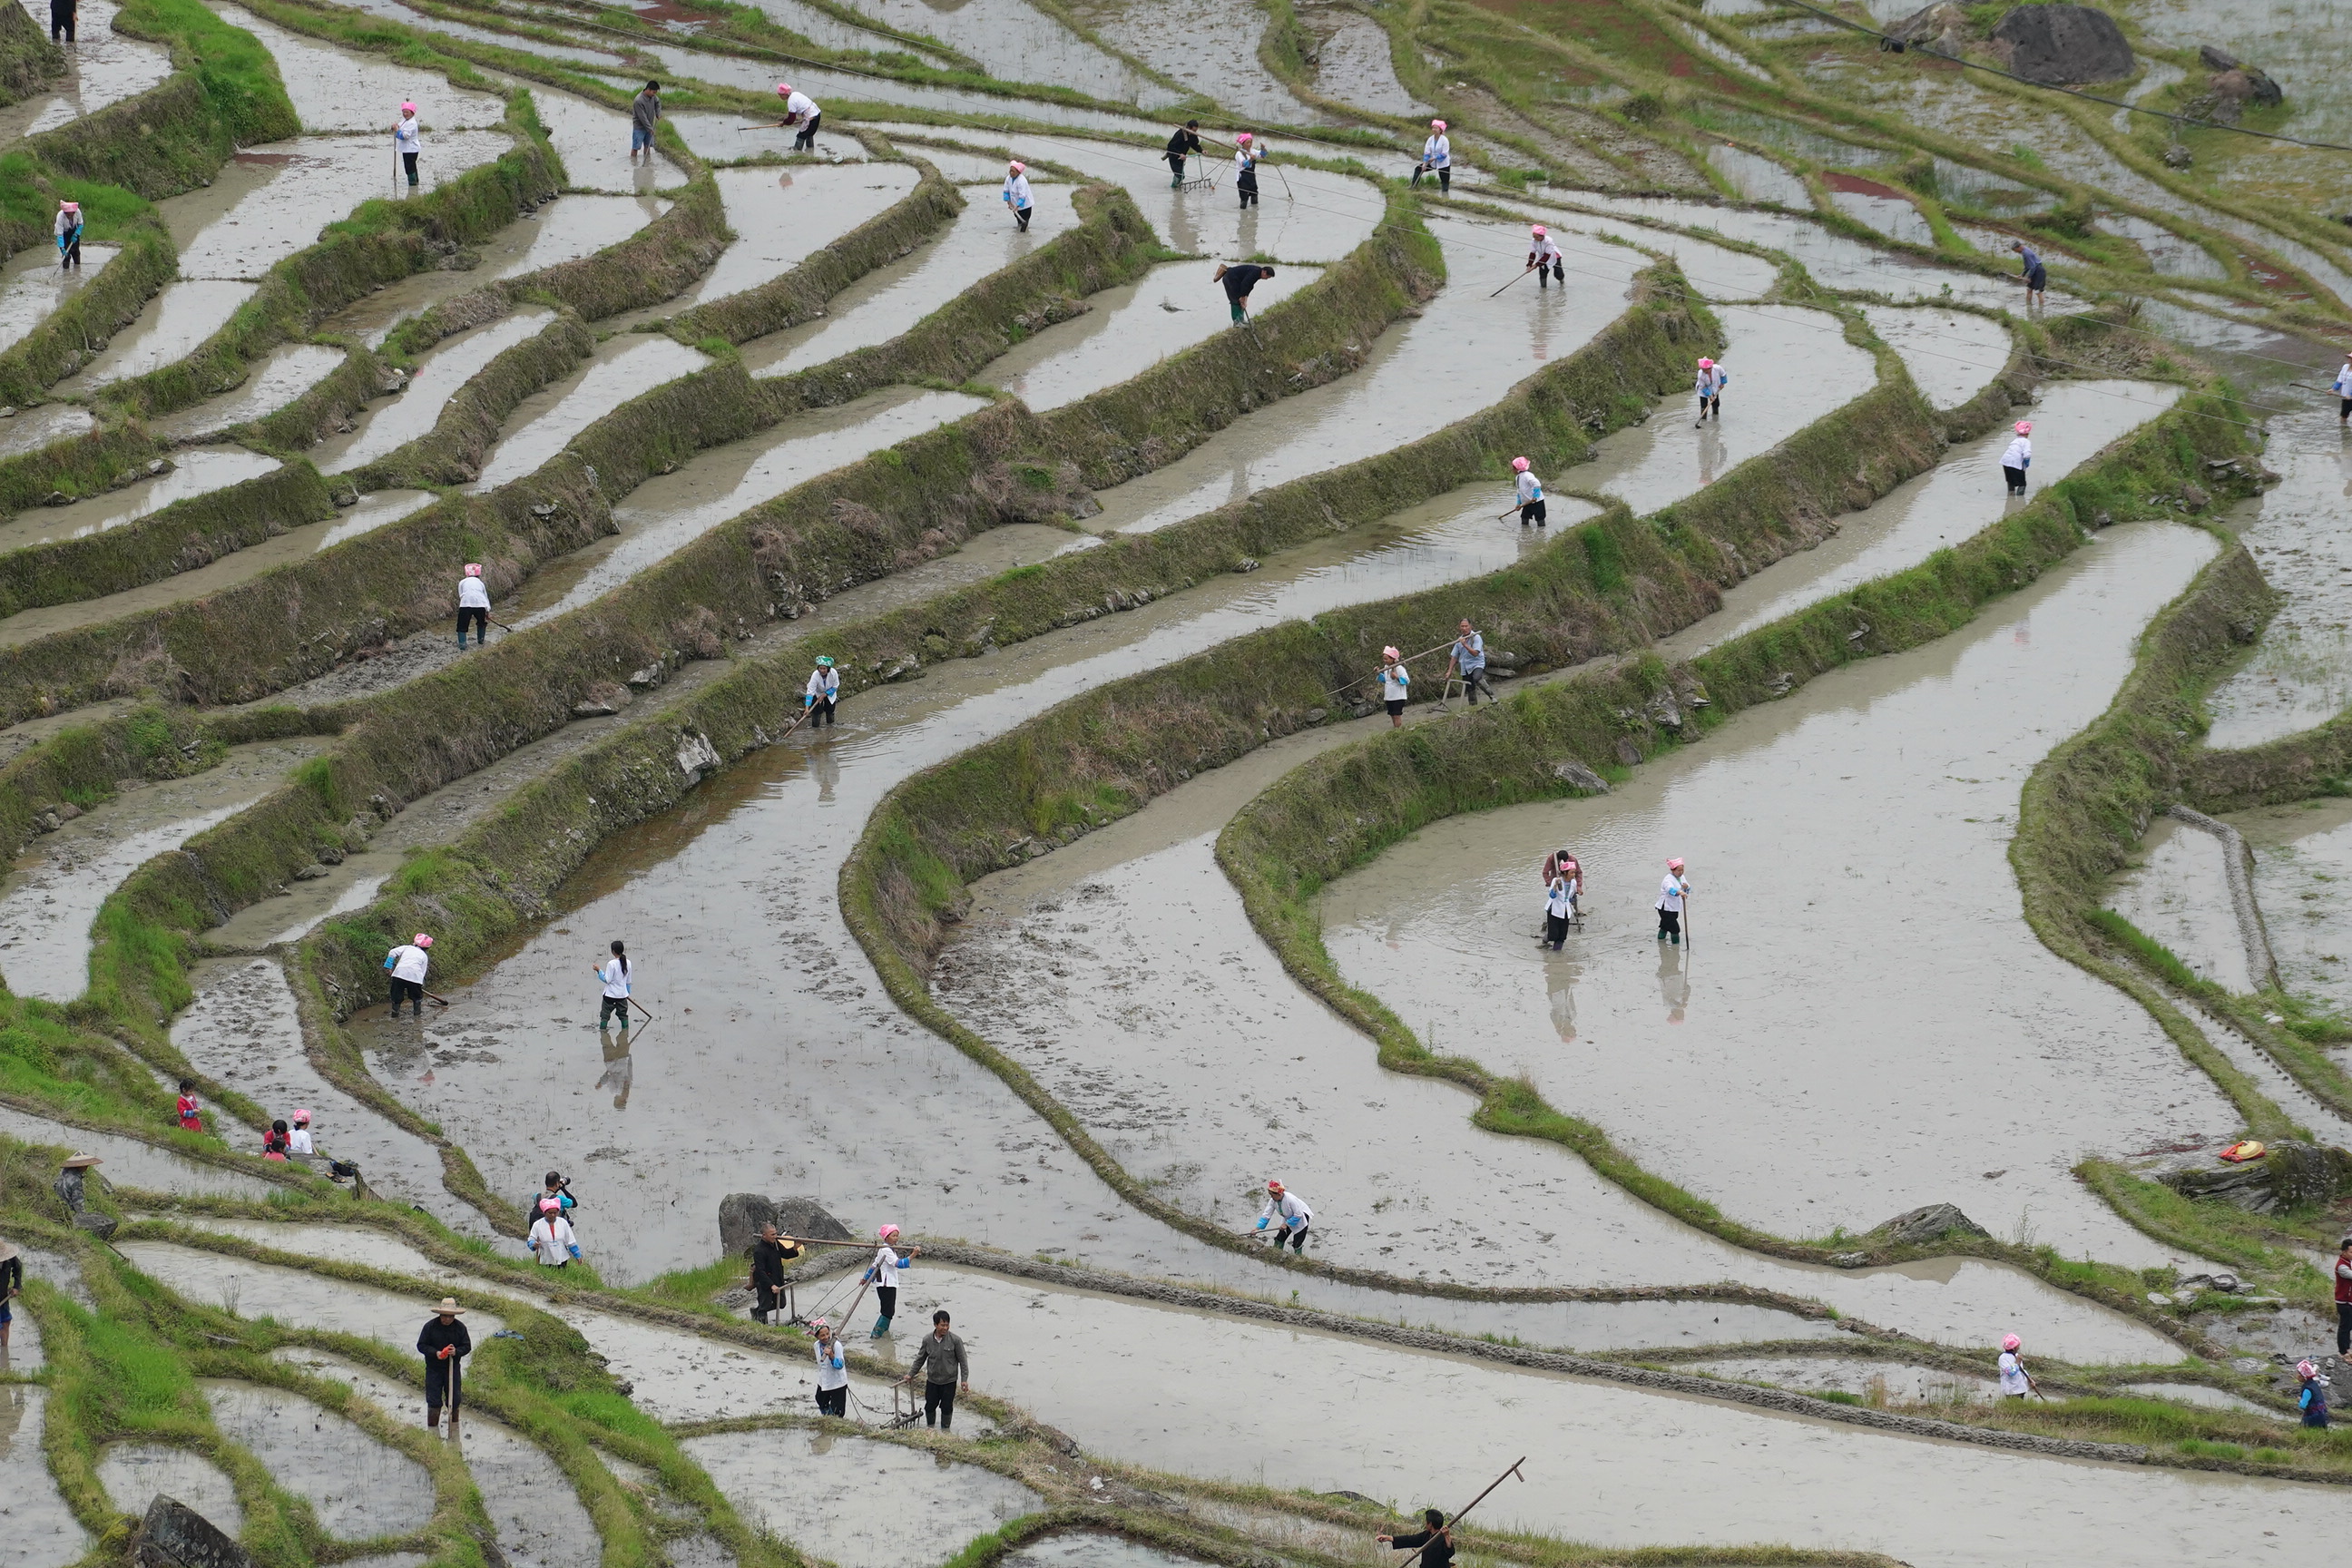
(408, 141)
(2018, 457)
(884, 1274)
(1246, 162)
(473, 605)
(1436, 158)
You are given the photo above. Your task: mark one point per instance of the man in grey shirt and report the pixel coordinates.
(940, 1359)
(644, 113)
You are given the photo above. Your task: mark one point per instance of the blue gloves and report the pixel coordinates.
(2028, 463)
(1261, 1222)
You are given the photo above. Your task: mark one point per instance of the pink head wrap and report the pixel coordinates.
(2011, 1342)
(2026, 427)
(1518, 465)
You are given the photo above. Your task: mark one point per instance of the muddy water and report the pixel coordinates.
(2169, 254)
(593, 143)
(2303, 856)
(2197, 1393)
(1093, 1549)
(42, 1530)
(1354, 67)
(828, 87)
(1878, 1381)
(1014, 41)
(439, 377)
(1211, 47)
(301, 1299)
(337, 90)
(241, 566)
(135, 1474)
(1717, 271)
(824, 1494)
(131, 1164)
(1951, 355)
(242, 1029)
(1939, 508)
(538, 1517)
(1398, 1178)
(49, 900)
(664, 514)
(1789, 366)
(30, 429)
(820, 27)
(884, 303)
(1262, 1404)
(1935, 742)
(2179, 896)
(358, 1487)
(176, 319)
(1759, 178)
(540, 426)
(1462, 352)
(2300, 675)
(102, 66)
(1893, 216)
(782, 216)
(580, 225)
(289, 373)
(595, 59)
(193, 473)
(1128, 329)
(312, 182)
(35, 286)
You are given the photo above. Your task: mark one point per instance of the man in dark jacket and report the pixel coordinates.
(770, 1253)
(1437, 1539)
(1239, 279)
(445, 1344)
(940, 1359)
(1181, 145)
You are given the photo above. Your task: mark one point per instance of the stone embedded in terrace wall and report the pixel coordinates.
(175, 1535)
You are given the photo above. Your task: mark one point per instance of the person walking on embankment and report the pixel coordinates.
(1297, 1218)
(1016, 193)
(445, 1344)
(1544, 257)
(12, 1285)
(1246, 162)
(408, 962)
(2018, 457)
(822, 692)
(940, 1359)
(1468, 659)
(1435, 1540)
(884, 1272)
(832, 1371)
(1239, 278)
(1180, 146)
(1529, 491)
(1671, 894)
(473, 606)
(66, 229)
(408, 141)
(644, 113)
(1436, 158)
(2037, 277)
(615, 972)
(1711, 384)
(1396, 686)
(2016, 1382)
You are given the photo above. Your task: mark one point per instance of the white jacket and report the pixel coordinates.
(1546, 250)
(801, 109)
(1529, 489)
(1437, 153)
(1288, 1207)
(552, 1240)
(408, 962)
(1016, 189)
(2018, 454)
(832, 1369)
(473, 594)
(823, 684)
(406, 137)
(886, 1264)
(1671, 891)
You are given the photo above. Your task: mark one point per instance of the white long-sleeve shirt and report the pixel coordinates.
(406, 136)
(1671, 891)
(1545, 250)
(823, 684)
(1016, 189)
(616, 978)
(1437, 153)
(2343, 382)
(1245, 162)
(1288, 1207)
(886, 1264)
(2018, 455)
(299, 1142)
(1711, 380)
(1396, 683)
(799, 107)
(408, 961)
(552, 1240)
(66, 224)
(1563, 898)
(832, 1366)
(473, 594)
(2012, 1374)
(1529, 489)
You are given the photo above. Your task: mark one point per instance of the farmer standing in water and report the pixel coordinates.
(1436, 158)
(1544, 255)
(1181, 145)
(2037, 278)
(1246, 162)
(1671, 894)
(408, 141)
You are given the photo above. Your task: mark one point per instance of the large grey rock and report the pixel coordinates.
(1941, 26)
(175, 1535)
(740, 1216)
(1577, 776)
(2052, 45)
(1919, 1227)
(2293, 1174)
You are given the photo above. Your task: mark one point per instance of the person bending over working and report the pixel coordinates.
(884, 1272)
(1180, 146)
(1544, 256)
(1709, 384)
(799, 109)
(644, 113)
(408, 962)
(1436, 1538)
(823, 693)
(2037, 279)
(1436, 158)
(614, 973)
(552, 1240)
(473, 605)
(1239, 279)
(942, 1360)
(445, 1344)
(1246, 162)
(1292, 1210)
(68, 230)
(770, 1254)
(1016, 193)
(832, 1371)
(1469, 658)
(1671, 894)
(1530, 490)
(2018, 457)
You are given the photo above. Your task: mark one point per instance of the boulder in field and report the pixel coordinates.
(2053, 46)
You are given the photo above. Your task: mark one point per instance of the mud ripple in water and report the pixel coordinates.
(42, 1532)
(824, 1493)
(358, 1487)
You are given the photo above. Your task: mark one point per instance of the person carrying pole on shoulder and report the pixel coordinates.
(1530, 490)
(2016, 1382)
(408, 141)
(1709, 384)
(1436, 158)
(941, 1358)
(2037, 278)
(1435, 1540)
(799, 109)
(615, 972)
(770, 1253)
(1396, 686)
(1469, 658)
(1292, 1210)
(1246, 162)
(1544, 255)
(832, 1371)
(822, 692)
(445, 1344)
(1016, 191)
(408, 964)
(1181, 145)
(644, 113)
(473, 605)
(884, 1273)
(67, 231)
(1239, 278)
(1671, 894)
(2018, 457)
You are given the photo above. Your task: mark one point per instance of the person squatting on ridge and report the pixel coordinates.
(1016, 191)
(2313, 1398)
(1544, 255)
(299, 1140)
(408, 141)
(1671, 893)
(1239, 278)
(823, 693)
(473, 605)
(1529, 491)
(799, 109)
(770, 1254)
(274, 1141)
(1246, 162)
(1297, 1217)
(1181, 145)
(1709, 387)
(942, 1360)
(1436, 1538)
(2018, 457)
(408, 962)
(884, 1274)
(832, 1371)
(1469, 658)
(67, 231)
(445, 1344)
(614, 973)
(1436, 158)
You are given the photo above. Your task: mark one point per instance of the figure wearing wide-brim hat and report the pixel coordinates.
(445, 1344)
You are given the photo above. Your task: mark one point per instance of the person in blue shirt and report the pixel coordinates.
(1469, 660)
(2037, 279)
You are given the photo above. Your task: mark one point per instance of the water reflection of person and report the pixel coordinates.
(620, 1067)
(1674, 982)
(1564, 975)
(826, 771)
(1711, 455)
